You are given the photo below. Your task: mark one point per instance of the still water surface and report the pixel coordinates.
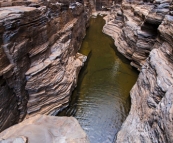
(101, 100)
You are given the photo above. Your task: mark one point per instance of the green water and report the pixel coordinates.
(101, 101)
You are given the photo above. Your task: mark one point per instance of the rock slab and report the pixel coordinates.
(45, 129)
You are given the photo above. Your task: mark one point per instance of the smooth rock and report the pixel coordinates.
(45, 129)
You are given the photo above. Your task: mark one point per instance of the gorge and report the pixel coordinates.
(101, 100)
(40, 63)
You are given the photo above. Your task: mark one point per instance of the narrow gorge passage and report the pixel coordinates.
(101, 101)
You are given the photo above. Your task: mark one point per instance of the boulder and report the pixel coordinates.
(45, 129)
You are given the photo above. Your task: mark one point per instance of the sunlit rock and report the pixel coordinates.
(45, 129)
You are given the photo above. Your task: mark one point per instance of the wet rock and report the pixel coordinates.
(45, 129)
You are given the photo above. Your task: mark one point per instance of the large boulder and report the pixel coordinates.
(45, 129)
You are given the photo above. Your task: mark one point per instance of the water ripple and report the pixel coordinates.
(101, 100)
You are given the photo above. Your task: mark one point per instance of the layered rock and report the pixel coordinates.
(129, 31)
(143, 33)
(45, 129)
(98, 5)
(39, 59)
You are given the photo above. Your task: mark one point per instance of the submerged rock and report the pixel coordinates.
(45, 129)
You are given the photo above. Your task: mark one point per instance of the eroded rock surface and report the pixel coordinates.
(45, 129)
(39, 63)
(102, 5)
(143, 33)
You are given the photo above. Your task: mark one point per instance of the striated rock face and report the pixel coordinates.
(129, 30)
(45, 129)
(143, 33)
(39, 63)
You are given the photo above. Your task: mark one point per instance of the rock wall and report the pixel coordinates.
(143, 33)
(101, 5)
(39, 63)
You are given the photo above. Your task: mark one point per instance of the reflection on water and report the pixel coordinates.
(101, 100)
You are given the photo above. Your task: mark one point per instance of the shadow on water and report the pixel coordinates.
(71, 109)
(101, 101)
(121, 57)
(118, 54)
